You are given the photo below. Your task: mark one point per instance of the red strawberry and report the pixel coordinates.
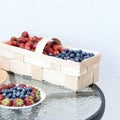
(6, 102)
(48, 49)
(13, 43)
(50, 44)
(11, 85)
(28, 45)
(25, 34)
(13, 39)
(22, 85)
(44, 52)
(18, 102)
(1, 98)
(34, 45)
(35, 39)
(22, 40)
(21, 45)
(3, 86)
(28, 100)
(55, 52)
(35, 94)
(56, 47)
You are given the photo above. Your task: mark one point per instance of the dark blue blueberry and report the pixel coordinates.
(11, 90)
(86, 57)
(19, 89)
(28, 89)
(22, 96)
(66, 50)
(84, 54)
(63, 53)
(13, 97)
(80, 51)
(26, 95)
(76, 59)
(9, 95)
(4, 94)
(17, 94)
(78, 54)
(72, 55)
(91, 54)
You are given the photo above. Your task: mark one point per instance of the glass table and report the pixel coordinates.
(60, 103)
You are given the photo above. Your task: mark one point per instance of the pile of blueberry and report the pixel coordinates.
(16, 92)
(74, 55)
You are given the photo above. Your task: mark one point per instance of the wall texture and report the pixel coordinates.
(90, 24)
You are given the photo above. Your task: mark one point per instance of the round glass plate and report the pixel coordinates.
(42, 97)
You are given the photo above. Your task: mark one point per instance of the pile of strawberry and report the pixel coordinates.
(52, 48)
(18, 95)
(24, 41)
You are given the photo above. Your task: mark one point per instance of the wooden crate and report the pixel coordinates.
(67, 73)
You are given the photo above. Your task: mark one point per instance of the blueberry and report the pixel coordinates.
(91, 54)
(72, 59)
(76, 59)
(19, 89)
(78, 54)
(4, 94)
(63, 53)
(22, 96)
(11, 90)
(80, 51)
(17, 94)
(26, 95)
(86, 56)
(9, 95)
(5, 91)
(66, 50)
(29, 89)
(72, 55)
(13, 97)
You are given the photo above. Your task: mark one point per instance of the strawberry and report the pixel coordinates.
(35, 39)
(11, 85)
(50, 44)
(28, 45)
(35, 94)
(25, 34)
(56, 47)
(34, 45)
(44, 52)
(6, 102)
(22, 40)
(13, 43)
(3, 86)
(22, 85)
(13, 39)
(18, 102)
(48, 49)
(28, 100)
(21, 45)
(55, 52)
(1, 98)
